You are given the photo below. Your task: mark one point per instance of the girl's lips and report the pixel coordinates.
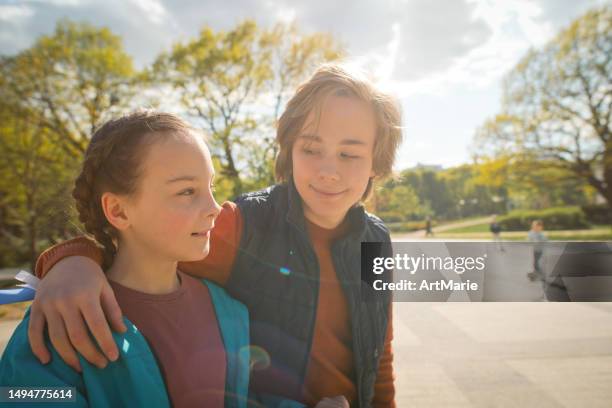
(205, 233)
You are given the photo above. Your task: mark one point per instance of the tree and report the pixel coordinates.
(34, 189)
(396, 202)
(234, 82)
(295, 56)
(557, 104)
(526, 182)
(432, 191)
(54, 94)
(69, 82)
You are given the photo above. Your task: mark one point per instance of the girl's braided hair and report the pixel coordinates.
(113, 163)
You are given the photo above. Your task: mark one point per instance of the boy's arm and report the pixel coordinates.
(224, 242)
(80, 246)
(384, 388)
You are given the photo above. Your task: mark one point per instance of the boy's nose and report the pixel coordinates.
(329, 172)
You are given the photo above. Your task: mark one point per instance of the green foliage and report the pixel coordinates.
(397, 203)
(557, 105)
(34, 191)
(54, 94)
(525, 182)
(409, 226)
(598, 214)
(69, 82)
(556, 218)
(488, 186)
(233, 83)
(444, 194)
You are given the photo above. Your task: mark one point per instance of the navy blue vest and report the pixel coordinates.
(276, 275)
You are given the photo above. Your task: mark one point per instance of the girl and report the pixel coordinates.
(290, 252)
(145, 194)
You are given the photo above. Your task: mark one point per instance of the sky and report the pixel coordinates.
(443, 59)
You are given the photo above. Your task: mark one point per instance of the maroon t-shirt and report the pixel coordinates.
(183, 333)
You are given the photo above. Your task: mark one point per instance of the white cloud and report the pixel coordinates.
(62, 3)
(286, 15)
(15, 13)
(153, 10)
(443, 58)
(515, 26)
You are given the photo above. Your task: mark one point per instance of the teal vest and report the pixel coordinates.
(134, 379)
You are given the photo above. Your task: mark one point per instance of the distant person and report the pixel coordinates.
(496, 229)
(428, 227)
(537, 236)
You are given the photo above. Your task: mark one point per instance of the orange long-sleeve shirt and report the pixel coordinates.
(331, 354)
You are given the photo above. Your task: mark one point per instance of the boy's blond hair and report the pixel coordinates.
(334, 79)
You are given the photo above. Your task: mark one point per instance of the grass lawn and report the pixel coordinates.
(471, 228)
(594, 234)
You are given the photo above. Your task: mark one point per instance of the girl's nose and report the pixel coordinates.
(211, 208)
(215, 210)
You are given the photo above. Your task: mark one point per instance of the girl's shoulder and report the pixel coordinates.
(141, 379)
(20, 367)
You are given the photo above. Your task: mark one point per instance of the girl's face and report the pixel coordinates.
(174, 209)
(332, 159)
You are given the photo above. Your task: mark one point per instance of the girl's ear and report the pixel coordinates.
(113, 207)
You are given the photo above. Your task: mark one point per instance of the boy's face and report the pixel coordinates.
(332, 159)
(174, 209)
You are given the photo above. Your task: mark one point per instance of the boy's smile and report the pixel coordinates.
(327, 193)
(332, 158)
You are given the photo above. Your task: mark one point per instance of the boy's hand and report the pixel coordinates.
(335, 402)
(75, 295)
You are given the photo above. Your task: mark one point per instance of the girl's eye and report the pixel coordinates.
(348, 156)
(187, 192)
(310, 151)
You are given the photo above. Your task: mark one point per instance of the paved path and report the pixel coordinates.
(519, 354)
(503, 354)
(497, 354)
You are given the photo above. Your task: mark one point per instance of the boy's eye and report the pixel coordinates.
(187, 192)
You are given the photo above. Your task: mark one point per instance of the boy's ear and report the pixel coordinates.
(113, 207)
